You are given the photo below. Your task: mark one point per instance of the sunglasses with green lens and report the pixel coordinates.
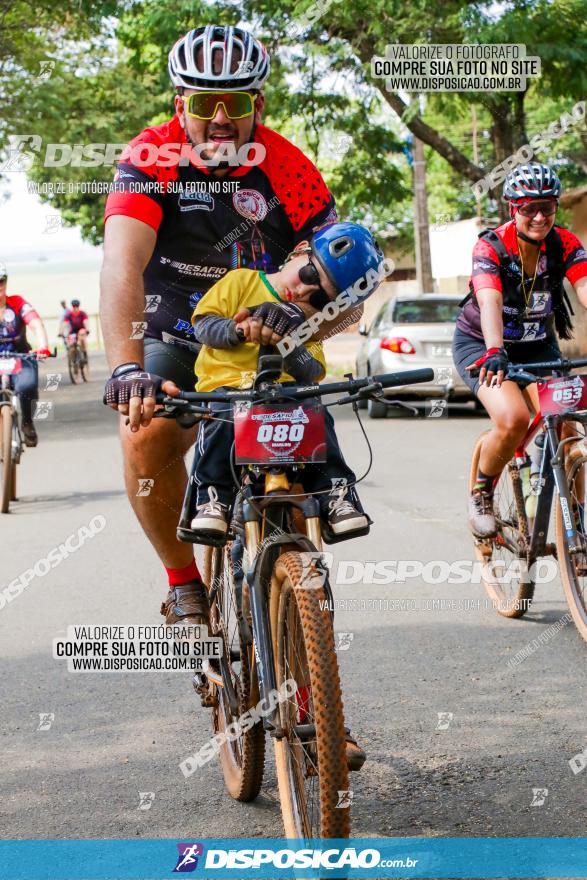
(204, 105)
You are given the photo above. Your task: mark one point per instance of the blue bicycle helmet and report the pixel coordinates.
(346, 252)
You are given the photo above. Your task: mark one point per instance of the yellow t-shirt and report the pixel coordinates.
(237, 367)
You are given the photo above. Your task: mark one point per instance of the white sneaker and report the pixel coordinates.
(211, 517)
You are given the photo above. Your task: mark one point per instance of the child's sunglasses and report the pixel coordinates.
(204, 105)
(309, 275)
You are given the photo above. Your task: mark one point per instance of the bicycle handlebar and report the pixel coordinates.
(26, 355)
(527, 374)
(524, 372)
(274, 392)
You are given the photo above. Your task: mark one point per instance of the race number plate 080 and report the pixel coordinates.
(559, 396)
(279, 433)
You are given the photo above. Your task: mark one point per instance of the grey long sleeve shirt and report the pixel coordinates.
(217, 332)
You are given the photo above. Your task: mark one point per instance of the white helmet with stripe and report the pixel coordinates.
(240, 60)
(534, 181)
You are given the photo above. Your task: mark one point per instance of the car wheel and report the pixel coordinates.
(376, 409)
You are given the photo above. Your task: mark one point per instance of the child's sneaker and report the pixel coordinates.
(342, 515)
(211, 517)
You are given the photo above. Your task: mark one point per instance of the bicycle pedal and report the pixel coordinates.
(193, 536)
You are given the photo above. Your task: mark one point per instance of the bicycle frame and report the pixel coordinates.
(552, 474)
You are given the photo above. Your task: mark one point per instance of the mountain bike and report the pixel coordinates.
(523, 496)
(271, 601)
(11, 438)
(77, 359)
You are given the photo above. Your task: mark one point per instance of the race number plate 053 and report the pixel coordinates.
(279, 433)
(559, 396)
(10, 366)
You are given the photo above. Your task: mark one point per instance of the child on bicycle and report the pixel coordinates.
(227, 320)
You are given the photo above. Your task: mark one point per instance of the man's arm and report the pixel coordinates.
(38, 328)
(128, 247)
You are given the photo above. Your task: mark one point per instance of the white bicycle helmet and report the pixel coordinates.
(245, 63)
(535, 181)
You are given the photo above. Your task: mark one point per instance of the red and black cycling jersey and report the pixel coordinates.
(206, 225)
(522, 322)
(75, 320)
(17, 314)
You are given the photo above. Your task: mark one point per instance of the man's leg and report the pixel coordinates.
(156, 480)
(26, 384)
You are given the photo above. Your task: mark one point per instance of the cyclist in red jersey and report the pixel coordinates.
(75, 322)
(16, 315)
(172, 231)
(515, 311)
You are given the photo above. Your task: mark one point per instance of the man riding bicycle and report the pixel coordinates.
(16, 316)
(75, 324)
(515, 311)
(172, 231)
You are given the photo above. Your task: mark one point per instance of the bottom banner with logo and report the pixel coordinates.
(243, 858)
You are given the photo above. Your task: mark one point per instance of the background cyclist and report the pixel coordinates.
(16, 316)
(75, 323)
(516, 311)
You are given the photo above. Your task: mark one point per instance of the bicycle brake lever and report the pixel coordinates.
(400, 404)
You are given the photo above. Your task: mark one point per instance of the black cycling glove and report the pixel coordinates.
(129, 380)
(282, 318)
(494, 360)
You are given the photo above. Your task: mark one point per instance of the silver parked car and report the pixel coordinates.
(410, 332)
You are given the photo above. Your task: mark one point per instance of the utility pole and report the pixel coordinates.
(421, 225)
(476, 155)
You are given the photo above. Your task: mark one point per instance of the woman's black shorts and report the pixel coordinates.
(467, 349)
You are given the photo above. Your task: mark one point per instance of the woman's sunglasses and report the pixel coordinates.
(530, 209)
(204, 105)
(309, 275)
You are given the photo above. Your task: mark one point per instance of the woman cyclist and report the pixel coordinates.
(515, 311)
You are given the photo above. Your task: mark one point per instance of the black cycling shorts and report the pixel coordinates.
(171, 362)
(467, 349)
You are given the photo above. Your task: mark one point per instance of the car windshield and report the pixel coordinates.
(425, 312)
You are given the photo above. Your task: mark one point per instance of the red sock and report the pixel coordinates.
(179, 576)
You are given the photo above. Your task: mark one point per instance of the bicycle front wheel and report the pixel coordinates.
(73, 365)
(506, 571)
(8, 466)
(242, 758)
(311, 763)
(573, 567)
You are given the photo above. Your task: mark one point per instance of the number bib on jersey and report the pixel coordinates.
(279, 433)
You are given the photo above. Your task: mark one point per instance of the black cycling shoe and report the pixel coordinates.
(30, 434)
(187, 604)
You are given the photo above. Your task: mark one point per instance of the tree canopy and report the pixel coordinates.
(108, 79)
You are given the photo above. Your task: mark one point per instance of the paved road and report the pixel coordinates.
(115, 735)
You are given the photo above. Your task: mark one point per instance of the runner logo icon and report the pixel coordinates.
(187, 860)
